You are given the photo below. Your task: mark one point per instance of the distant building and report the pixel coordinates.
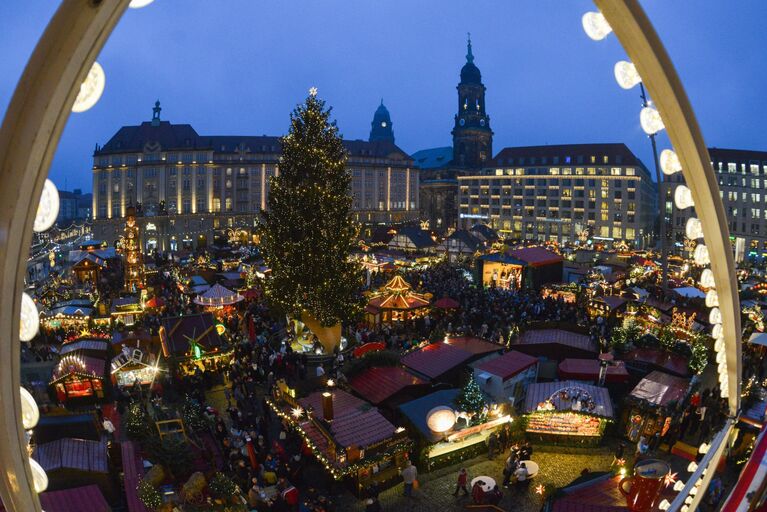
(73, 206)
(742, 177)
(191, 190)
(472, 149)
(562, 193)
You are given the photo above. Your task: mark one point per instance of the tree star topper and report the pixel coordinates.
(313, 92)
(669, 479)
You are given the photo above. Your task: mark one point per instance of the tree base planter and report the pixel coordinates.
(329, 337)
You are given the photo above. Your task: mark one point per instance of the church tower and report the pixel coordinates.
(472, 136)
(381, 128)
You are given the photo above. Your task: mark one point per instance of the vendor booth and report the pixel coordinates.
(79, 376)
(652, 405)
(556, 344)
(506, 378)
(131, 365)
(445, 360)
(75, 313)
(445, 435)
(126, 310)
(589, 370)
(567, 413)
(347, 435)
(71, 462)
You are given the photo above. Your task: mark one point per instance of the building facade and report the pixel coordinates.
(563, 193)
(74, 206)
(190, 190)
(743, 187)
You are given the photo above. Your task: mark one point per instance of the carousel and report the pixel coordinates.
(396, 302)
(218, 298)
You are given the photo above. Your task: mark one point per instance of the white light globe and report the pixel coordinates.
(719, 345)
(39, 477)
(683, 197)
(595, 25)
(91, 89)
(716, 331)
(48, 208)
(138, 4)
(679, 485)
(626, 74)
(30, 319)
(440, 419)
(712, 299)
(30, 414)
(707, 278)
(692, 466)
(722, 367)
(701, 256)
(693, 229)
(724, 392)
(721, 357)
(715, 316)
(650, 120)
(664, 505)
(669, 162)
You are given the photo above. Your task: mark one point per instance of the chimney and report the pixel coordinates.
(327, 405)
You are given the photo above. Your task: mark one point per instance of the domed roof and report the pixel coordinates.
(381, 127)
(381, 114)
(470, 72)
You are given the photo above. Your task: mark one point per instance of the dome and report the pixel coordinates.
(381, 127)
(470, 74)
(382, 114)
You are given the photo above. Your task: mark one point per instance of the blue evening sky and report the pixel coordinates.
(239, 66)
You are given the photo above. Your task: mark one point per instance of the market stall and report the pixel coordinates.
(75, 313)
(126, 310)
(79, 376)
(131, 366)
(444, 434)
(567, 413)
(347, 435)
(193, 342)
(218, 298)
(652, 405)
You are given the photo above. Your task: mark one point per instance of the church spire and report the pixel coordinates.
(469, 55)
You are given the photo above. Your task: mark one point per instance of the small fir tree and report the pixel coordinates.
(472, 401)
(307, 234)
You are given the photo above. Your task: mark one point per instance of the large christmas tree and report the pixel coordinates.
(307, 234)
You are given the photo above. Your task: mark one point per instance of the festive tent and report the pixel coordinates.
(218, 296)
(397, 301)
(155, 303)
(651, 405)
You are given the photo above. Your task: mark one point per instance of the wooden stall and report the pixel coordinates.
(79, 377)
(652, 405)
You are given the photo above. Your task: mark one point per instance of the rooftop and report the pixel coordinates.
(378, 384)
(508, 365)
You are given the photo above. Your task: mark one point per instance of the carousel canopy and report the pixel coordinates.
(398, 294)
(218, 295)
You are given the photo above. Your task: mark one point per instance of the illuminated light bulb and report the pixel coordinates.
(716, 331)
(715, 316)
(701, 256)
(664, 505)
(138, 4)
(684, 508)
(30, 319)
(723, 380)
(39, 477)
(721, 357)
(683, 197)
(722, 367)
(688, 500)
(30, 414)
(693, 229)
(719, 345)
(678, 486)
(626, 74)
(669, 162)
(48, 208)
(595, 25)
(692, 467)
(693, 492)
(712, 299)
(650, 120)
(707, 278)
(703, 448)
(91, 89)
(724, 392)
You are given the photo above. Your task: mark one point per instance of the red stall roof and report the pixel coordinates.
(668, 361)
(77, 499)
(508, 365)
(660, 389)
(588, 369)
(342, 402)
(536, 256)
(133, 469)
(437, 358)
(570, 339)
(377, 384)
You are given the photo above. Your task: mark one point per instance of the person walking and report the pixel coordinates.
(492, 445)
(508, 469)
(409, 475)
(460, 484)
